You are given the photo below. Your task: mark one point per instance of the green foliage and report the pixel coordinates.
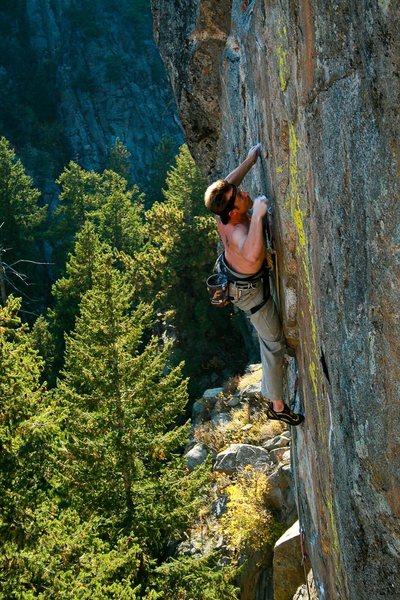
(79, 189)
(193, 578)
(88, 258)
(45, 342)
(67, 557)
(119, 159)
(28, 427)
(173, 267)
(106, 201)
(19, 208)
(122, 402)
(118, 219)
(91, 482)
(248, 525)
(94, 491)
(164, 157)
(21, 220)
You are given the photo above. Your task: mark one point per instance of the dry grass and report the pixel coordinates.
(245, 427)
(250, 378)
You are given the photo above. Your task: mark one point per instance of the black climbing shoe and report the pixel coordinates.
(287, 415)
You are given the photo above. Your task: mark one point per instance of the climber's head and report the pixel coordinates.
(224, 199)
(220, 198)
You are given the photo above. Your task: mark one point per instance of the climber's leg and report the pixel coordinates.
(272, 348)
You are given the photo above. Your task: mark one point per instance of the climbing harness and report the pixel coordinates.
(218, 285)
(246, 282)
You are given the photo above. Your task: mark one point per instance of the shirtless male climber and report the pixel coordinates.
(243, 263)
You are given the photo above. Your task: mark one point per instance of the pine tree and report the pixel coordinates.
(48, 550)
(119, 219)
(187, 577)
(88, 258)
(122, 402)
(163, 159)
(102, 198)
(173, 266)
(27, 427)
(79, 196)
(179, 233)
(21, 220)
(119, 160)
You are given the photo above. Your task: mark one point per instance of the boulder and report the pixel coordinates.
(212, 394)
(233, 402)
(253, 367)
(199, 412)
(288, 572)
(196, 456)
(280, 494)
(218, 508)
(220, 418)
(238, 456)
(250, 392)
(277, 455)
(278, 441)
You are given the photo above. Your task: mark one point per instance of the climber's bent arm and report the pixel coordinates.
(249, 243)
(238, 174)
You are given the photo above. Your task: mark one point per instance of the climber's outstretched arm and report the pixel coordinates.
(237, 175)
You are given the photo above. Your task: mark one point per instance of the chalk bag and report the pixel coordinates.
(218, 290)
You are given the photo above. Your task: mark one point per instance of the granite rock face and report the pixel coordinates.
(96, 74)
(288, 568)
(318, 85)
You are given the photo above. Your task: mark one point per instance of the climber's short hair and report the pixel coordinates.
(216, 201)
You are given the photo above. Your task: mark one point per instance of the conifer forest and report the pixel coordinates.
(106, 338)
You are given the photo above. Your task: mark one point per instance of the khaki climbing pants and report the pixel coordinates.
(269, 329)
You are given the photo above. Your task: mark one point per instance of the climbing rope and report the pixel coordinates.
(304, 554)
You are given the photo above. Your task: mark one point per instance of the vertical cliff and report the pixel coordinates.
(75, 75)
(318, 85)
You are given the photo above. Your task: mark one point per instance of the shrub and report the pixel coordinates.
(248, 525)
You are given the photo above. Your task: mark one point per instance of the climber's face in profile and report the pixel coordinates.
(243, 202)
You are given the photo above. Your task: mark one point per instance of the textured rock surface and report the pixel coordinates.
(196, 456)
(280, 496)
(318, 85)
(279, 441)
(288, 569)
(102, 78)
(307, 591)
(239, 456)
(192, 36)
